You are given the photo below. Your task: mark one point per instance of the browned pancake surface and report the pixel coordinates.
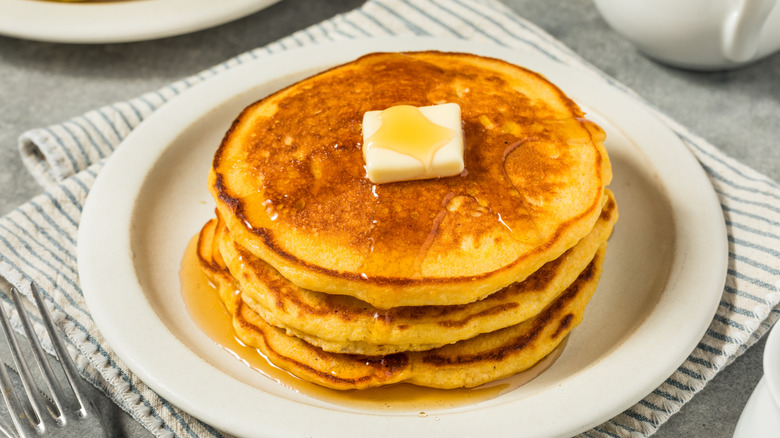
(290, 182)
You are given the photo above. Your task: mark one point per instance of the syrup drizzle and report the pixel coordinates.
(432, 234)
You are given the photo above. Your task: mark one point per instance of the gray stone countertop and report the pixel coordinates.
(738, 111)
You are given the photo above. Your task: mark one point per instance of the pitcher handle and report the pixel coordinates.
(742, 29)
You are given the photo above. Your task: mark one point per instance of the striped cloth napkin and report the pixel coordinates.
(38, 239)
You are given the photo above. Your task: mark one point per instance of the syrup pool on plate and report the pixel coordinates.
(209, 314)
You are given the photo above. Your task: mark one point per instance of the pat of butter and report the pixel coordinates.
(405, 143)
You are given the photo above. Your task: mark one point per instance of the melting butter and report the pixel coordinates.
(407, 131)
(405, 143)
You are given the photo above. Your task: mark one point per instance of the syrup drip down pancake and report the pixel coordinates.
(468, 363)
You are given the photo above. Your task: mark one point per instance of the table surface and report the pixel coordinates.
(737, 111)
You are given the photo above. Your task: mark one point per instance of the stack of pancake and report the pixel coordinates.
(446, 282)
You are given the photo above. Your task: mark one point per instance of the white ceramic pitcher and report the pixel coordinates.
(697, 34)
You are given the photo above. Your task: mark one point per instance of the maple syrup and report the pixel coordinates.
(209, 314)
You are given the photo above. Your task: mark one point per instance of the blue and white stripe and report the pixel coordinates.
(38, 240)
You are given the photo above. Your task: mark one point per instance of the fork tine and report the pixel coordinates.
(85, 406)
(43, 363)
(15, 408)
(22, 418)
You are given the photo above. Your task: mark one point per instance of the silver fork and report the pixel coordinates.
(40, 414)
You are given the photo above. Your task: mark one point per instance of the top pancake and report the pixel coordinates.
(290, 182)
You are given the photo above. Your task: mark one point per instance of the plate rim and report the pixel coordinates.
(117, 22)
(771, 364)
(113, 173)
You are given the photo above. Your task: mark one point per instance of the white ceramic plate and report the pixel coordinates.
(117, 21)
(663, 275)
(761, 416)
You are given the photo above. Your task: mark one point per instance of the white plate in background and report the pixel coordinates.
(118, 20)
(663, 275)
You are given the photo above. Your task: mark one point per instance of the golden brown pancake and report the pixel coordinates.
(344, 324)
(467, 363)
(289, 181)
